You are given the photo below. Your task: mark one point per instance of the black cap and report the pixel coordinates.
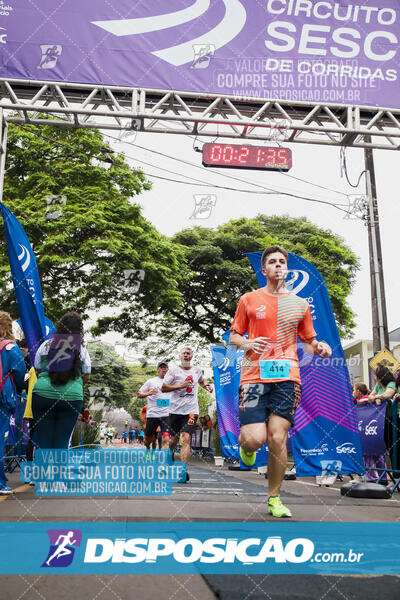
(162, 363)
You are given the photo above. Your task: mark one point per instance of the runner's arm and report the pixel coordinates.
(171, 388)
(145, 394)
(206, 386)
(238, 341)
(313, 346)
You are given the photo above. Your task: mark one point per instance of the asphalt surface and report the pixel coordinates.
(213, 494)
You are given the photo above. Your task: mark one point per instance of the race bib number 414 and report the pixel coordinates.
(274, 369)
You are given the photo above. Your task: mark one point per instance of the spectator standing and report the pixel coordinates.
(384, 390)
(12, 380)
(208, 422)
(361, 397)
(63, 364)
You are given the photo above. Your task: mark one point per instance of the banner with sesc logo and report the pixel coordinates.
(325, 437)
(297, 50)
(371, 424)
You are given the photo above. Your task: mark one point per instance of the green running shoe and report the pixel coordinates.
(277, 509)
(248, 458)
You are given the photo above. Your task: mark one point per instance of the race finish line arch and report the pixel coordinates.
(321, 74)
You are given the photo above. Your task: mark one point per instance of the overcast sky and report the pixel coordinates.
(169, 206)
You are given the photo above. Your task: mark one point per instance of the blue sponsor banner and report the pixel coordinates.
(371, 424)
(49, 326)
(325, 432)
(25, 276)
(239, 548)
(227, 363)
(226, 366)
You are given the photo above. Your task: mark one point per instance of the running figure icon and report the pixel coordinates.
(62, 549)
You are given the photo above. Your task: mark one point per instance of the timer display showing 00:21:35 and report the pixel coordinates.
(247, 157)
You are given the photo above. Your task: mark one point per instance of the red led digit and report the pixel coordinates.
(282, 156)
(271, 156)
(227, 150)
(244, 153)
(215, 153)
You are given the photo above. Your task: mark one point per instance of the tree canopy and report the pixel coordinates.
(221, 272)
(92, 244)
(218, 273)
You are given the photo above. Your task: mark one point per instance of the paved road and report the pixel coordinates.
(212, 495)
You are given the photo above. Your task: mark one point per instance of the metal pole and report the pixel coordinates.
(3, 148)
(379, 316)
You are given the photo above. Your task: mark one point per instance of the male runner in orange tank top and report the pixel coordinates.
(270, 384)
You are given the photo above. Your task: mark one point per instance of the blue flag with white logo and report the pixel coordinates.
(227, 365)
(25, 276)
(325, 436)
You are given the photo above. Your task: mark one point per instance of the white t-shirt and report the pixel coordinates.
(184, 402)
(158, 405)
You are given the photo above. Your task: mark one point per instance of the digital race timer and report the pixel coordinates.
(247, 157)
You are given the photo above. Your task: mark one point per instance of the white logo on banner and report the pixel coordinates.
(224, 365)
(192, 550)
(24, 258)
(371, 429)
(292, 282)
(231, 25)
(346, 448)
(3, 36)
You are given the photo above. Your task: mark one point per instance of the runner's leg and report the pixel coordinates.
(277, 430)
(252, 436)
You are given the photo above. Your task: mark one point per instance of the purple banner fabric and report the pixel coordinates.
(300, 50)
(371, 423)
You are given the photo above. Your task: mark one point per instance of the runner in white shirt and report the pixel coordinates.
(182, 382)
(158, 407)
